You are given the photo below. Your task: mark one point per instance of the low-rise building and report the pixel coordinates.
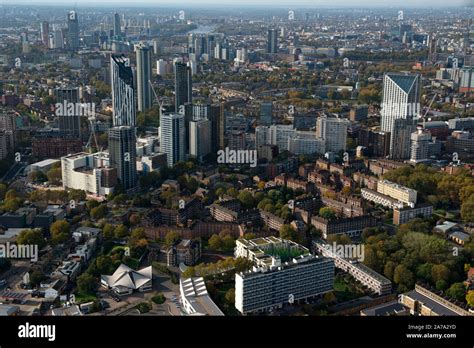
(195, 299)
(424, 302)
(402, 215)
(367, 276)
(348, 226)
(184, 251)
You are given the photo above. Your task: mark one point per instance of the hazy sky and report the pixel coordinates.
(288, 3)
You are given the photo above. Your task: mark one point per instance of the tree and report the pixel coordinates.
(228, 243)
(215, 242)
(99, 212)
(467, 209)
(440, 272)
(86, 283)
(34, 237)
(403, 276)
(470, 298)
(60, 231)
(134, 219)
(36, 277)
(121, 231)
(108, 231)
(327, 213)
(230, 296)
(457, 291)
(54, 175)
(171, 237)
(288, 232)
(246, 198)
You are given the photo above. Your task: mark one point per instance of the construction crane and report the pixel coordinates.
(160, 104)
(428, 109)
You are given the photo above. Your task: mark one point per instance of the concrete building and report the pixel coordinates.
(333, 131)
(200, 138)
(420, 144)
(173, 137)
(284, 272)
(424, 302)
(144, 93)
(194, 298)
(88, 172)
(374, 281)
(401, 193)
(402, 215)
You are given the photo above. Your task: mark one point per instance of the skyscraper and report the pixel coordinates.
(401, 98)
(200, 138)
(266, 113)
(401, 101)
(183, 85)
(123, 155)
(117, 31)
(145, 100)
(172, 137)
(72, 30)
(123, 97)
(68, 123)
(44, 33)
(272, 41)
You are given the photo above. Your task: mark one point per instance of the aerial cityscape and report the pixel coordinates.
(158, 160)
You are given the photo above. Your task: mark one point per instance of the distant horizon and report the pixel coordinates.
(248, 3)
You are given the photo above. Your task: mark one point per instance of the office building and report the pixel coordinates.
(183, 85)
(266, 113)
(117, 30)
(284, 272)
(123, 92)
(144, 95)
(200, 138)
(122, 150)
(272, 41)
(72, 30)
(172, 137)
(461, 124)
(44, 33)
(333, 131)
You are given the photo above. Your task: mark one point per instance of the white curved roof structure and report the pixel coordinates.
(126, 277)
